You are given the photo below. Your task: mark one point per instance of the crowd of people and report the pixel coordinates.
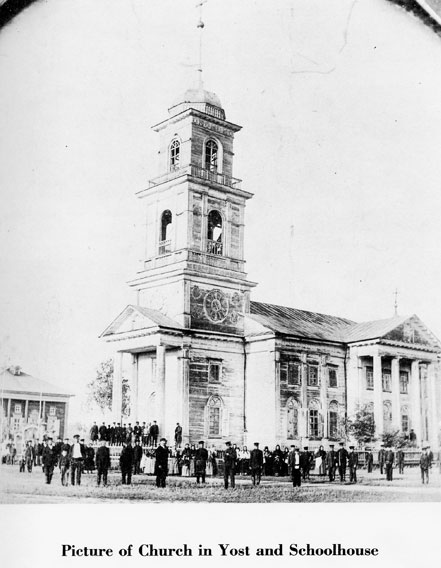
(141, 453)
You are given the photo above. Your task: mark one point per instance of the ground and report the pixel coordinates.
(25, 488)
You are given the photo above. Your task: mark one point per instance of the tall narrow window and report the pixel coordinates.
(175, 155)
(214, 233)
(211, 153)
(404, 419)
(293, 419)
(165, 235)
(370, 378)
(387, 380)
(294, 374)
(333, 384)
(333, 420)
(314, 419)
(312, 375)
(404, 382)
(387, 414)
(215, 417)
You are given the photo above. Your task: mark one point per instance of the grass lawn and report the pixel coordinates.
(24, 488)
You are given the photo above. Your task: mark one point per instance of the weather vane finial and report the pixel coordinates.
(200, 27)
(396, 301)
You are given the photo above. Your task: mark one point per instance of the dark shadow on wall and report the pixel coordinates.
(11, 8)
(413, 7)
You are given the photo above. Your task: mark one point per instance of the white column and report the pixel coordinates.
(433, 408)
(396, 406)
(378, 395)
(117, 387)
(303, 418)
(323, 377)
(277, 428)
(184, 406)
(416, 400)
(134, 392)
(353, 393)
(160, 381)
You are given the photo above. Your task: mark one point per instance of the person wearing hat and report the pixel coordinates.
(353, 464)
(126, 462)
(29, 455)
(295, 463)
(230, 459)
(381, 455)
(161, 463)
(256, 464)
(400, 460)
(77, 455)
(305, 462)
(201, 458)
(331, 462)
(154, 433)
(369, 458)
(49, 459)
(342, 458)
(425, 464)
(103, 463)
(178, 435)
(389, 458)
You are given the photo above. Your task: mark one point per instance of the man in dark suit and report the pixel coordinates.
(126, 463)
(400, 461)
(94, 432)
(29, 455)
(230, 459)
(331, 462)
(295, 462)
(425, 463)
(137, 457)
(353, 464)
(161, 463)
(305, 462)
(381, 455)
(102, 460)
(200, 459)
(389, 458)
(137, 432)
(103, 431)
(154, 433)
(112, 434)
(178, 435)
(256, 464)
(342, 458)
(49, 460)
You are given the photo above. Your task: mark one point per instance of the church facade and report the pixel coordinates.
(199, 352)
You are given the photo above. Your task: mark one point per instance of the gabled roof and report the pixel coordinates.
(137, 318)
(269, 318)
(372, 329)
(25, 383)
(299, 323)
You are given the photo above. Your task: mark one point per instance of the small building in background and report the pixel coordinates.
(31, 407)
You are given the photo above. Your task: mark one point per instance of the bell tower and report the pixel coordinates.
(193, 269)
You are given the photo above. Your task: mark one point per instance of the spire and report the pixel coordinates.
(200, 27)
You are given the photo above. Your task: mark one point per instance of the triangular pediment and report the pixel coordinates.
(136, 318)
(413, 332)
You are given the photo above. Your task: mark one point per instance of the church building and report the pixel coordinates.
(197, 350)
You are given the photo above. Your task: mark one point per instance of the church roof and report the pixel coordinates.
(137, 317)
(25, 383)
(300, 323)
(315, 326)
(373, 329)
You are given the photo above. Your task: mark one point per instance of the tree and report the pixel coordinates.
(395, 438)
(362, 426)
(100, 388)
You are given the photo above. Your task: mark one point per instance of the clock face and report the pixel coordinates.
(216, 306)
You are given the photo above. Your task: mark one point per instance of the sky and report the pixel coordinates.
(341, 112)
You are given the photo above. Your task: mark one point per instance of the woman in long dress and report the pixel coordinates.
(186, 460)
(192, 461)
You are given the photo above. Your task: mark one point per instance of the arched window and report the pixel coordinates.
(214, 417)
(314, 419)
(165, 234)
(292, 411)
(387, 414)
(175, 155)
(405, 419)
(211, 155)
(333, 420)
(214, 233)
